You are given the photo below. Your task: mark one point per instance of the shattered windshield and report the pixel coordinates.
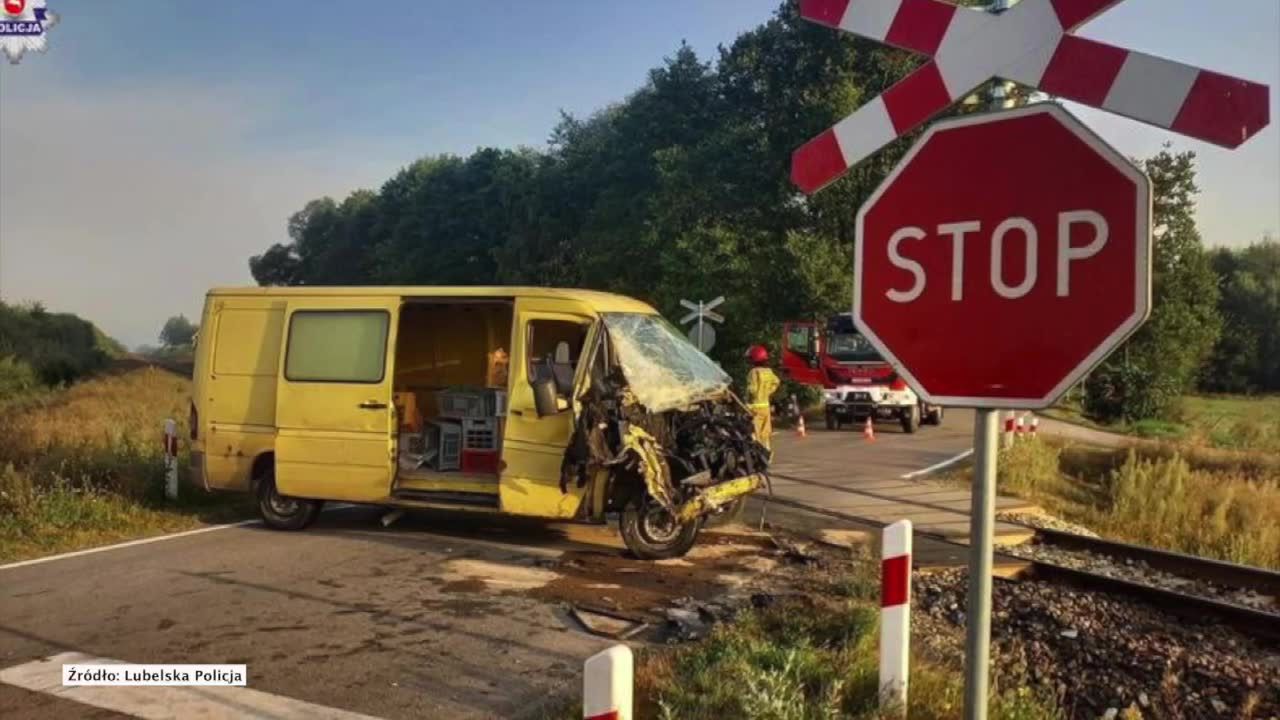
(665, 371)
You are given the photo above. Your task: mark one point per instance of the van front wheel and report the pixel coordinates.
(651, 533)
(284, 513)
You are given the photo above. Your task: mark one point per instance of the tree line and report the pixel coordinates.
(39, 348)
(681, 190)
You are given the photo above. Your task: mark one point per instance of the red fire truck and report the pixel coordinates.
(857, 383)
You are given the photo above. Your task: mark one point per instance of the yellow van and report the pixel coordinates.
(540, 402)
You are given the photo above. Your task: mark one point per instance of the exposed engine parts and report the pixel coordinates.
(686, 458)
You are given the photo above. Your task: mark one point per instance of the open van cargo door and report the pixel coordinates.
(334, 416)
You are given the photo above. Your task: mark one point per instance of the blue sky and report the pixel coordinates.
(159, 144)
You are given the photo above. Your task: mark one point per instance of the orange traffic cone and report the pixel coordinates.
(869, 431)
(800, 431)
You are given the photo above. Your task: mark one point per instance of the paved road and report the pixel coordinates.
(842, 471)
(429, 618)
(349, 615)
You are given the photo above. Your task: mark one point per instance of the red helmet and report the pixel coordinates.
(758, 354)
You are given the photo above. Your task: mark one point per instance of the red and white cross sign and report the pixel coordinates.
(1029, 44)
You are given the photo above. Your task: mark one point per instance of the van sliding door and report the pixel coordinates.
(334, 416)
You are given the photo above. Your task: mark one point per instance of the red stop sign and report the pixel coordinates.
(1003, 258)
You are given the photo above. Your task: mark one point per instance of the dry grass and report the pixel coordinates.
(84, 466)
(1215, 504)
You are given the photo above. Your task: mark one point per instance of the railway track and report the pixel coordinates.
(1212, 586)
(1196, 607)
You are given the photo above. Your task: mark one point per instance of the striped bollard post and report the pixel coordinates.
(1006, 438)
(607, 685)
(895, 615)
(1035, 426)
(1019, 426)
(171, 459)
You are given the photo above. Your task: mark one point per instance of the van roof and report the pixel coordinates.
(601, 301)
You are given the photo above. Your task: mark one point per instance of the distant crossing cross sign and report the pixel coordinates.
(702, 334)
(1030, 44)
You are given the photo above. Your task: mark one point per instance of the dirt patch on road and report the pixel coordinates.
(718, 564)
(466, 572)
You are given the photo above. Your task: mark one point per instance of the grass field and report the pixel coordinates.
(83, 466)
(1201, 501)
(1234, 422)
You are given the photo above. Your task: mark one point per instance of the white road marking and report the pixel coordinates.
(130, 543)
(165, 703)
(144, 541)
(939, 466)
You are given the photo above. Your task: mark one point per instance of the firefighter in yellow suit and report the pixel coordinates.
(762, 383)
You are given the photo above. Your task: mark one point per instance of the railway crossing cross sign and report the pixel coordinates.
(703, 334)
(1030, 44)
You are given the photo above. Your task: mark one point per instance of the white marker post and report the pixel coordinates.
(895, 615)
(171, 459)
(607, 685)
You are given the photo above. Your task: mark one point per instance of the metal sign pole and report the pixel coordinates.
(977, 648)
(701, 313)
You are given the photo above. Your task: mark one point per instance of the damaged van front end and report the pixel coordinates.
(660, 438)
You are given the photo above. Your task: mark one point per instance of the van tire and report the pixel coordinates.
(284, 513)
(641, 537)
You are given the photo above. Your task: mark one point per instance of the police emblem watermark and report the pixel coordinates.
(23, 27)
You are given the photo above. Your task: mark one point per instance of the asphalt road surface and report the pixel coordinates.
(435, 616)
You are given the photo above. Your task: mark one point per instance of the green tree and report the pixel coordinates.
(1247, 356)
(58, 347)
(1147, 376)
(178, 332)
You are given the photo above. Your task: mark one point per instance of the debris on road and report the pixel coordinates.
(794, 551)
(847, 539)
(608, 623)
(1101, 651)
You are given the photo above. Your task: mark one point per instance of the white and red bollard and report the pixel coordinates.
(1034, 427)
(1006, 438)
(895, 614)
(171, 459)
(607, 685)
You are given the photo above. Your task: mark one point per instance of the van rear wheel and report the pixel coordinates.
(651, 533)
(281, 512)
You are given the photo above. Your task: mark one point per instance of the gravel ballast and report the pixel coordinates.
(1099, 652)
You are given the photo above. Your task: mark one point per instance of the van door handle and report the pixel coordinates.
(373, 405)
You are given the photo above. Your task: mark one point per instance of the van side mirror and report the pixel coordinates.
(545, 400)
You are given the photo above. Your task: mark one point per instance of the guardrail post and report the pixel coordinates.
(607, 685)
(171, 459)
(895, 615)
